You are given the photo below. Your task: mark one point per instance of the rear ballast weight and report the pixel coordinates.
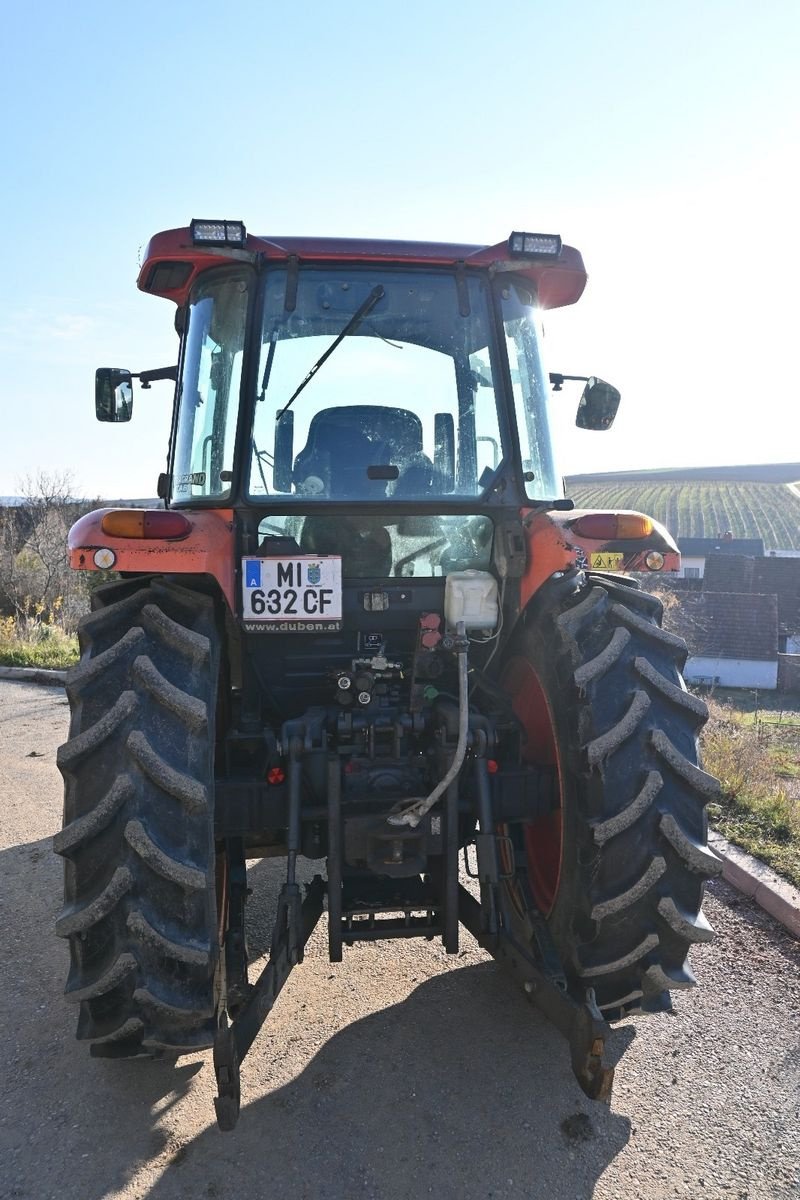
(460, 672)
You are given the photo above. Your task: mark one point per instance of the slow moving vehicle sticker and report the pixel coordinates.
(607, 560)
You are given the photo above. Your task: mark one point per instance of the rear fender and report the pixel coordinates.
(207, 549)
(554, 546)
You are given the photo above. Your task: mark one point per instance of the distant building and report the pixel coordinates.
(732, 638)
(743, 627)
(765, 576)
(695, 551)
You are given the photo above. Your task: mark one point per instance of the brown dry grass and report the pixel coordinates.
(757, 809)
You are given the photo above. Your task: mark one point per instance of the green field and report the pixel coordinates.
(705, 509)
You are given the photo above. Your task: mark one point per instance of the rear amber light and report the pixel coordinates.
(609, 527)
(140, 523)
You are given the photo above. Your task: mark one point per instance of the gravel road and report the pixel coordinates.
(400, 1073)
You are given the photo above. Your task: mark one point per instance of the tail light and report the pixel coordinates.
(611, 526)
(141, 523)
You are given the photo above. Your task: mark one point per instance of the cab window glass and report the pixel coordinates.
(532, 395)
(210, 384)
(397, 411)
(408, 547)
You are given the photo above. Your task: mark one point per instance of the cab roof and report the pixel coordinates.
(172, 261)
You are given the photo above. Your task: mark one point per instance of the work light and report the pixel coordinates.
(218, 233)
(534, 245)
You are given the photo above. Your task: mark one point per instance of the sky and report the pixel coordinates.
(661, 140)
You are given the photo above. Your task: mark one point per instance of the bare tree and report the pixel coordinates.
(35, 579)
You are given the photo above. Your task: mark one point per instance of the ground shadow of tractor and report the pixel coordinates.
(70, 1125)
(460, 1090)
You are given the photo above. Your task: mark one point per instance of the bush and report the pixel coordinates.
(30, 641)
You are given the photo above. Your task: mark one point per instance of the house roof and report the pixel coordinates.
(730, 625)
(781, 576)
(766, 576)
(702, 547)
(729, 573)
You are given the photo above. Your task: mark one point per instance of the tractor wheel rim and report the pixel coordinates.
(543, 838)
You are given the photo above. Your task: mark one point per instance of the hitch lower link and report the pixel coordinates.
(542, 976)
(292, 931)
(295, 921)
(582, 1025)
(540, 971)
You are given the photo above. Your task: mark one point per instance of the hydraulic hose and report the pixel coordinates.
(416, 809)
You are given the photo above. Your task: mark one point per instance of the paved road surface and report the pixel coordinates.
(400, 1073)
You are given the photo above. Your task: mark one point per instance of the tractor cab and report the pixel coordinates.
(373, 400)
(360, 383)
(323, 371)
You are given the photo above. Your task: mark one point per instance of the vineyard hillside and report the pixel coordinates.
(703, 509)
(750, 473)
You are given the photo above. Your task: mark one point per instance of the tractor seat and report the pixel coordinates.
(343, 442)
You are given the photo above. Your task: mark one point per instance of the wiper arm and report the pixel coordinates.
(372, 299)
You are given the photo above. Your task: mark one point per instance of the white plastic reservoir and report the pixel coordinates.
(471, 597)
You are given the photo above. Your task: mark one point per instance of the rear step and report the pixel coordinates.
(416, 910)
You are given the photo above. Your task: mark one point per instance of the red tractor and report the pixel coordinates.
(367, 627)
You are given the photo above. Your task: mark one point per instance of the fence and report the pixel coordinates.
(783, 728)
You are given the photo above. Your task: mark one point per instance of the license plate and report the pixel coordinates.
(301, 590)
(606, 560)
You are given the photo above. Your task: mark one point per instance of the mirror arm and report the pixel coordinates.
(147, 377)
(558, 380)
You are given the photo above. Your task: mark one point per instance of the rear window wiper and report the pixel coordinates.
(372, 299)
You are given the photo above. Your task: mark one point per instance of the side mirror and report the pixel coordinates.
(597, 406)
(284, 452)
(444, 450)
(113, 394)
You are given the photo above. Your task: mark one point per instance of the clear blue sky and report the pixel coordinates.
(660, 139)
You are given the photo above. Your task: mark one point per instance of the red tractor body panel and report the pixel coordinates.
(556, 283)
(206, 550)
(554, 546)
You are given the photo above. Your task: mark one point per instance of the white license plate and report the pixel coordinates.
(307, 588)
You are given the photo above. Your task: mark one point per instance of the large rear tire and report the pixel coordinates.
(138, 836)
(619, 869)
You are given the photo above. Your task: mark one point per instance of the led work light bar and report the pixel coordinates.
(218, 233)
(534, 245)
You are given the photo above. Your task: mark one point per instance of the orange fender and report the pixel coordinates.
(554, 545)
(207, 549)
